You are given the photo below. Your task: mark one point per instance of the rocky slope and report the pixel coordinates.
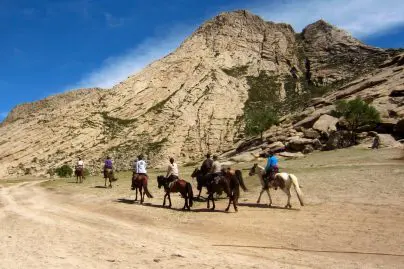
(193, 100)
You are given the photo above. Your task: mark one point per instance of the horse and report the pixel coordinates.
(229, 182)
(79, 172)
(281, 180)
(200, 179)
(181, 186)
(109, 174)
(139, 182)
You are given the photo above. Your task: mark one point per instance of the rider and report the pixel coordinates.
(206, 165)
(216, 169)
(172, 171)
(108, 167)
(272, 167)
(141, 166)
(80, 164)
(134, 167)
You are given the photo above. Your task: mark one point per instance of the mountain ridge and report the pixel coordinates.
(189, 102)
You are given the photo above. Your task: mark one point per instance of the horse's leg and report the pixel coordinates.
(141, 194)
(199, 195)
(105, 184)
(164, 201)
(228, 206)
(287, 191)
(169, 199)
(235, 201)
(259, 197)
(208, 201)
(110, 183)
(270, 198)
(136, 194)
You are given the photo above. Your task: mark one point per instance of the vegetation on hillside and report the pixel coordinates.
(356, 113)
(64, 171)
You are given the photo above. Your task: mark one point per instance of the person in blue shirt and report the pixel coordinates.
(272, 167)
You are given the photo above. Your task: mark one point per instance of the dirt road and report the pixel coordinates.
(354, 218)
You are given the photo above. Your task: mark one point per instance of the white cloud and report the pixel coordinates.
(360, 17)
(117, 68)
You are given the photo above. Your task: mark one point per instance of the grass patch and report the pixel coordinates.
(237, 71)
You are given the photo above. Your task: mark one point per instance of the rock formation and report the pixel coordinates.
(193, 100)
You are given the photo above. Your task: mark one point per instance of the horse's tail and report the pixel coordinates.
(297, 188)
(146, 191)
(239, 176)
(190, 194)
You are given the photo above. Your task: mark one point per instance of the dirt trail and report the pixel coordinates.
(344, 225)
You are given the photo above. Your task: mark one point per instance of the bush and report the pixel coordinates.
(86, 172)
(64, 171)
(357, 113)
(259, 119)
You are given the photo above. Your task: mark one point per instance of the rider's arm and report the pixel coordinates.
(268, 166)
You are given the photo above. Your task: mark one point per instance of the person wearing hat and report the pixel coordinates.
(172, 171)
(206, 166)
(272, 167)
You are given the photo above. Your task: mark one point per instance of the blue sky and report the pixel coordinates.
(50, 46)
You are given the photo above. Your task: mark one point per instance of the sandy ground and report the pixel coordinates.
(353, 218)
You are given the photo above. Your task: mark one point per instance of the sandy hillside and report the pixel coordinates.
(354, 218)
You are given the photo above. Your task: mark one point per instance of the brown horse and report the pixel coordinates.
(181, 186)
(109, 174)
(79, 172)
(201, 180)
(139, 182)
(229, 182)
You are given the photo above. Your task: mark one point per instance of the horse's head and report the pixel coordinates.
(161, 181)
(253, 170)
(195, 173)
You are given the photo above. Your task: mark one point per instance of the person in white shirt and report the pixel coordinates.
(141, 166)
(80, 164)
(172, 171)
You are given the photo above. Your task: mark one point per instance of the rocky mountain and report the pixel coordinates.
(194, 99)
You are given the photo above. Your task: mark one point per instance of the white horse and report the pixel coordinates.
(282, 180)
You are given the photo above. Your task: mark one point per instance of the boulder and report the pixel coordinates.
(326, 124)
(227, 163)
(339, 139)
(308, 121)
(308, 149)
(249, 144)
(310, 133)
(387, 141)
(275, 146)
(290, 155)
(317, 144)
(298, 144)
(243, 157)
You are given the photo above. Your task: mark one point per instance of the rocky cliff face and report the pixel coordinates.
(189, 102)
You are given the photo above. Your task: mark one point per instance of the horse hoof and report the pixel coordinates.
(269, 205)
(258, 202)
(227, 210)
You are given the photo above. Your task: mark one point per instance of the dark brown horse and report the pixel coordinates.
(200, 179)
(181, 186)
(229, 182)
(139, 182)
(109, 174)
(79, 172)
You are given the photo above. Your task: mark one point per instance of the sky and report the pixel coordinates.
(51, 46)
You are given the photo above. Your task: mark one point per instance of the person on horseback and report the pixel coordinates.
(134, 165)
(206, 166)
(271, 168)
(80, 164)
(172, 171)
(108, 168)
(216, 169)
(141, 166)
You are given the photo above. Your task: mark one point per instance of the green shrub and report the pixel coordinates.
(64, 171)
(259, 119)
(357, 113)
